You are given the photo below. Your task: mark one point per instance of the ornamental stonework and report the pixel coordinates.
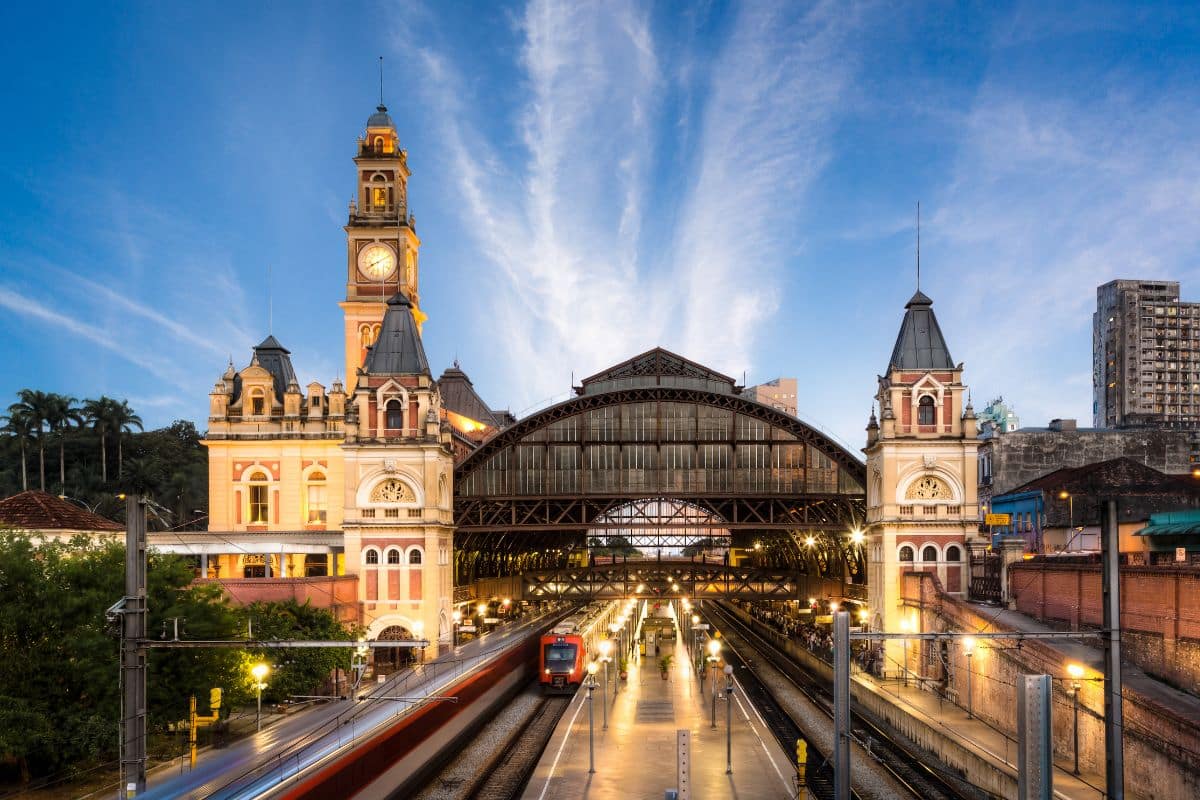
(927, 488)
(393, 491)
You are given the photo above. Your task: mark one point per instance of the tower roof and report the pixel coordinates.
(380, 119)
(276, 359)
(398, 350)
(920, 344)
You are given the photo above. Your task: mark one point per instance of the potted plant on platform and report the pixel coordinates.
(664, 664)
(623, 668)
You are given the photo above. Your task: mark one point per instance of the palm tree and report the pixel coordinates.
(34, 406)
(100, 414)
(61, 414)
(18, 424)
(123, 421)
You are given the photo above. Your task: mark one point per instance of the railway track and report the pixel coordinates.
(506, 777)
(905, 767)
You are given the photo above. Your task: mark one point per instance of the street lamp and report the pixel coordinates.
(968, 646)
(259, 671)
(591, 686)
(728, 719)
(856, 536)
(482, 609)
(1076, 672)
(714, 656)
(605, 650)
(419, 631)
(457, 617)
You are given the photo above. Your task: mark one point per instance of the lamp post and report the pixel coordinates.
(728, 719)
(482, 609)
(605, 649)
(419, 631)
(457, 619)
(591, 687)
(1076, 672)
(695, 638)
(1070, 498)
(968, 645)
(714, 656)
(259, 671)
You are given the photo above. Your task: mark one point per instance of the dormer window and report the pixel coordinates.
(258, 403)
(395, 415)
(925, 411)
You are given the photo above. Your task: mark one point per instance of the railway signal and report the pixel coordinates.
(801, 763)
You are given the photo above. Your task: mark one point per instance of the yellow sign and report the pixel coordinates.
(997, 519)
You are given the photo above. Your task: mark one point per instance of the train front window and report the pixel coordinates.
(560, 657)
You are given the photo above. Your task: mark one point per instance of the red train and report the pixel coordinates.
(562, 661)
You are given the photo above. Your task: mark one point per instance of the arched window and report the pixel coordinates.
(317, 498)
(372, 557)
(393, 556)
(906, 553)
(378, 144)
(258, 403)
(925, 411)
(953, 553)
(414, 557)
(259, 494)
(929, 553)
(395, 415)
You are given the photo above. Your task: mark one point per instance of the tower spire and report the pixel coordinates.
(918, 245)
(381, 80)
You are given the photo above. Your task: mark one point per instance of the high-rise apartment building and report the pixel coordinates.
(778, 393)
(1145, 356)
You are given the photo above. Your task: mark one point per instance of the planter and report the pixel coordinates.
(664, 675)
(624, 676)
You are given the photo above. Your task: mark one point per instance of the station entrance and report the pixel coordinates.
(660, 460)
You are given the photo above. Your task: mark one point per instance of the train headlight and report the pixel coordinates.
(547, 670)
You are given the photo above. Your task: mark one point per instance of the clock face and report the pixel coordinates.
(377, 261)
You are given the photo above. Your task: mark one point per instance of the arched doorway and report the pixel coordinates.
(390, 659)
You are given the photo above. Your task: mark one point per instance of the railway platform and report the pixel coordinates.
(636, 757)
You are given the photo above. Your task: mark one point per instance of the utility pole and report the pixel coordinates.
(1114, 746)
(133, 652)
(841, 705)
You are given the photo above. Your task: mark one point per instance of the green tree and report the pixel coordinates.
(101, 415)
(123, 421)
(60, 414)
(19, 425)
(298, 671)
(34, 405)
(59, 694)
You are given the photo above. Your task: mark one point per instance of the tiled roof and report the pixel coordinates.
(42, 511)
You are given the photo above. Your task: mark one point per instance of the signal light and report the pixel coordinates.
(214, 699)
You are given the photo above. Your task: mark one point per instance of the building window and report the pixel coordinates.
(906, 553)
(317, 502)
(393, 556)
(953, 553)
(395, 415)
(925, 411)
(258, 403)
(414, 557)
(260, 506)
(929, 553)
(372, 557)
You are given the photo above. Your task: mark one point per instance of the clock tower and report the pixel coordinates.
(381, 240)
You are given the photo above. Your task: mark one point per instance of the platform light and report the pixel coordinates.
(605, 647)
(1075, 671)
(810, 540)
(641, 587)
(456, 616)
(593, 668)
(482, 609)
(695, 619)
(968, 645)
(714, 647)
(856, 536)
(863, 614)
(812, 601)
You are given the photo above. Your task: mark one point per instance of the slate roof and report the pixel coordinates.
(380, 119)
(276, 359)
(42, 511)
(398, 350)
(459, 396)
(920, 344)
(658, 363)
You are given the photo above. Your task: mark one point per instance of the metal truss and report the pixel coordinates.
(664, 579)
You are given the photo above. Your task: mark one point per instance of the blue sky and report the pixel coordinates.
(736, 182)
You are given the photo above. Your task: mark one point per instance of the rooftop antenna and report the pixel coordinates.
(381, 80)
(918, 245)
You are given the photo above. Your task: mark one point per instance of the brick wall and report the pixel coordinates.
(338, 593)
(1162, 747)
(1160, 611)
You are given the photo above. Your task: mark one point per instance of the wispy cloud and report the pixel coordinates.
(1051, 197)
(579, 283)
